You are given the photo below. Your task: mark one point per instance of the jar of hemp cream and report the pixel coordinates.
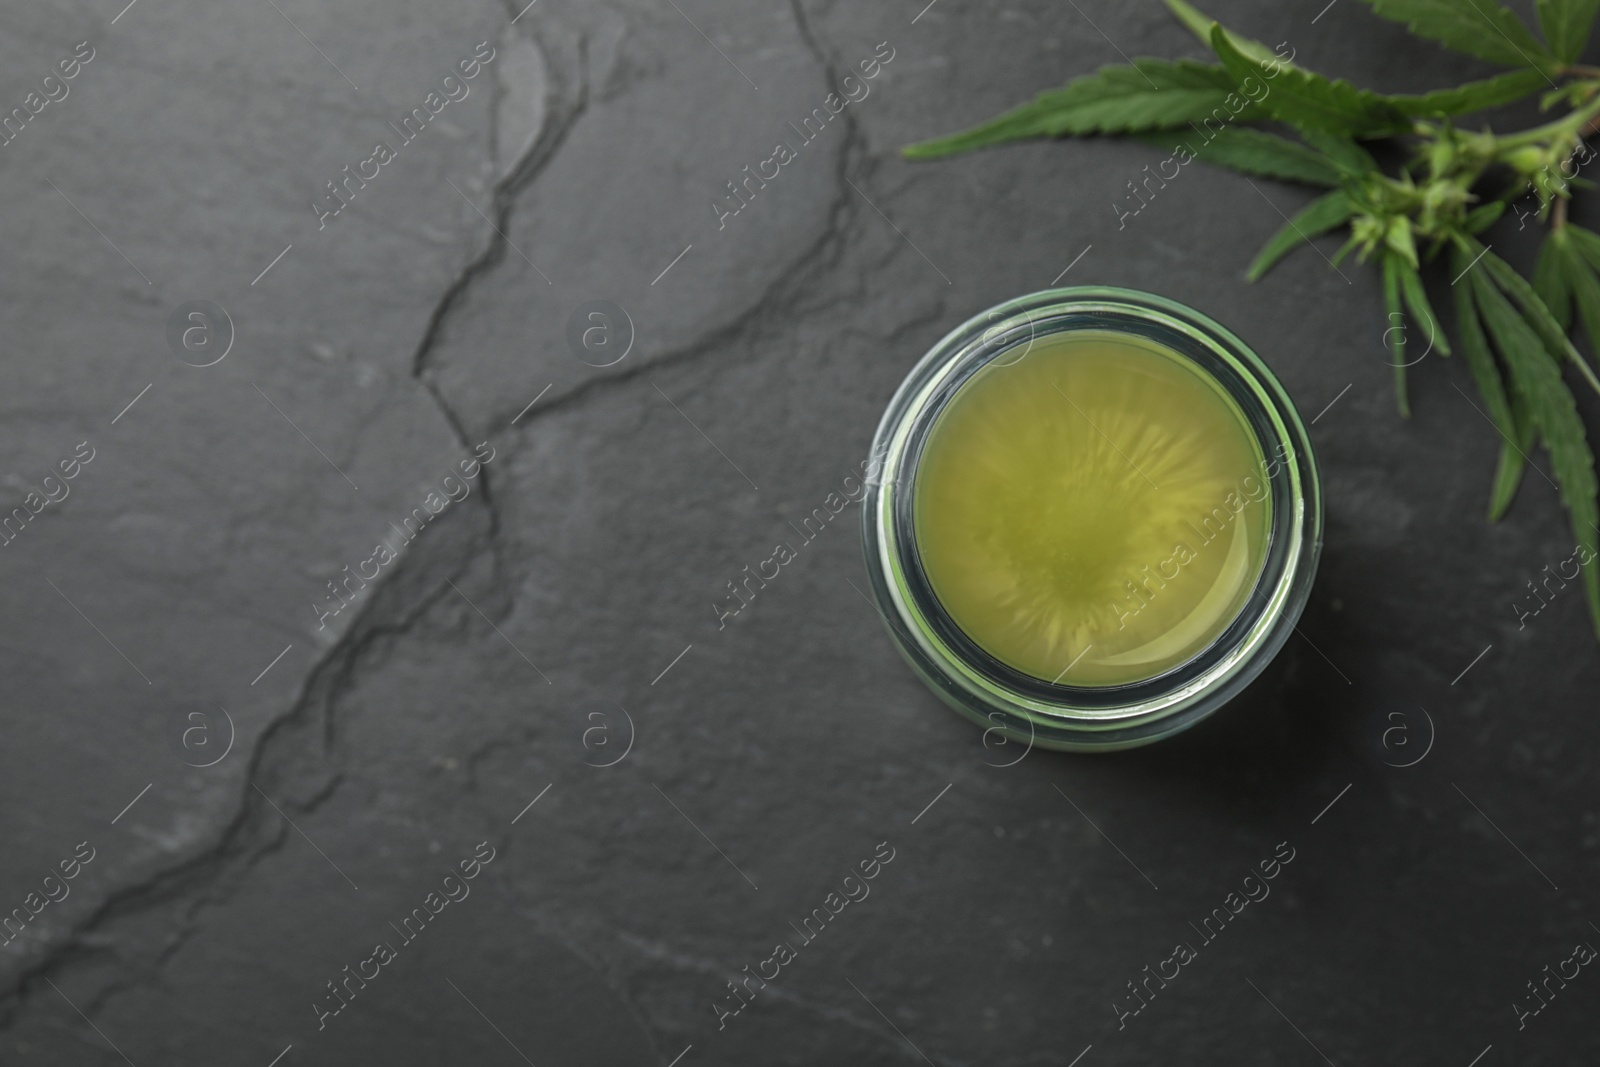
(1097, 518)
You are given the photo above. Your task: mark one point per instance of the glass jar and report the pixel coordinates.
(1049, 713)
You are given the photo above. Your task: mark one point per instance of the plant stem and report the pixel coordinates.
(1567, 126)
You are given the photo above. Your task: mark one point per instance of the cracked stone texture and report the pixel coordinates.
(464, 682)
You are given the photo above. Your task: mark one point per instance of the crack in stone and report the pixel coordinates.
(564, 115)
(252, 835)
(785, 295)
(238, 848)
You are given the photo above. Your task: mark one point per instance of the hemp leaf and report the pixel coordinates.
(1516, 430)
(1566, 24)
(1536, 377)
(1501, 89)
(1200, 25)
(1151, 94)
(1514, 333)
(1479, 28)
(1580, 283)
(1316, 218)
(1309, 101)
(1256, 152)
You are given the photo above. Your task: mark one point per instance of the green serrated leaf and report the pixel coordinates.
(1344, 250)
(1318, 217)
(1554, 414)
(1481, 218)
(1566, 25)
(1352, 160)
(1513, 461)
(1396, 333)
(1515, 434)
(1479, 28)
(1151, 94)
(1587, 243)
(1200, 25)
(1584, 288)
(1555, 96)
(1551, 277)
(1256, 152)
(1421, 309)
(1538, 315)
(1573, 94)
(1309, 101)
(1498, 91)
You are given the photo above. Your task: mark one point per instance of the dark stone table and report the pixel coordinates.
(397, 588)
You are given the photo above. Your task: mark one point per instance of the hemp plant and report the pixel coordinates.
(1455, 182)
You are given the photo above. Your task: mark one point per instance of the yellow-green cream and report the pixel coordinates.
(1093, 512)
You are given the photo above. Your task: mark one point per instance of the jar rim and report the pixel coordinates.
(1103, 717)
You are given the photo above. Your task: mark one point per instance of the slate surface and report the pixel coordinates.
(174, 609)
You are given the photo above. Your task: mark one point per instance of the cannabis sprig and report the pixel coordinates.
(1514, 333)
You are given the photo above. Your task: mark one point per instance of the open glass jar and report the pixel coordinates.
(1032, 472)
